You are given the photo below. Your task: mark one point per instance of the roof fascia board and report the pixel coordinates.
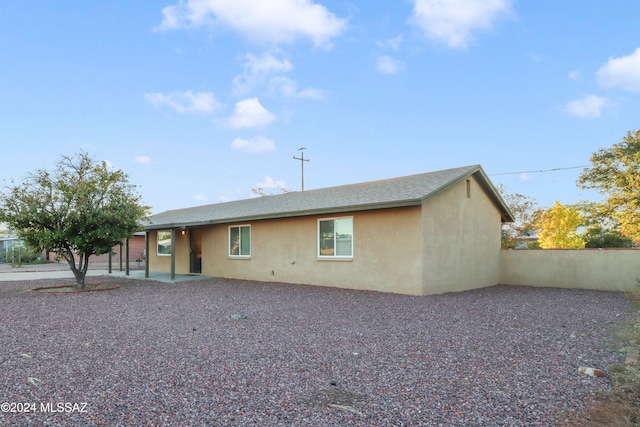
(310, 212)
(450, 183)
(489, 188)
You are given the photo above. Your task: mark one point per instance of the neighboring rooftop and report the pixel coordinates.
(409, 190)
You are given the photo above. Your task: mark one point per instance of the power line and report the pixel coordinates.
(539, 171)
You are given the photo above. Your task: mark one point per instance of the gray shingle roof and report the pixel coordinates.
(395, 192)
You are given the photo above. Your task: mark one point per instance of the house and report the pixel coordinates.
(418, 235)
(10, 245)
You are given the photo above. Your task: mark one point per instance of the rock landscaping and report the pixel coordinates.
(226, 352)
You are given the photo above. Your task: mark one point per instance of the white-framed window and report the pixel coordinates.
(335, 237)
(240, 241)
(164, 243)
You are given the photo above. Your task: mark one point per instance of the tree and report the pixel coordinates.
(616, 173)
(260, 191)
(523, 208)
(83, 208)
(558, 227)
(598, 237)
(601, 230)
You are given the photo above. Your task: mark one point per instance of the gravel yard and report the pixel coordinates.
(238, 353)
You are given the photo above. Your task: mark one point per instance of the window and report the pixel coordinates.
(335, 238)
(164, 243)
(468, 189)
(240, 241)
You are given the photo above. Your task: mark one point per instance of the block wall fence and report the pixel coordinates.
(136, 252)
(598, 269)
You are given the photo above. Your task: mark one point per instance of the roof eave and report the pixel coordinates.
(276, 215)
(505, 213)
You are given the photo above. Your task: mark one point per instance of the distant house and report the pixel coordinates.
(420, 234)
(10, 245)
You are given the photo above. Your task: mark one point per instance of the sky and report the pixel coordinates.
(201, 101)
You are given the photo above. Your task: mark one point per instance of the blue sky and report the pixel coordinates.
(199, 101)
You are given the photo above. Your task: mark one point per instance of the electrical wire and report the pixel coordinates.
(538, 171)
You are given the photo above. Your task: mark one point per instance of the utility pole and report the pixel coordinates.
(302, 160)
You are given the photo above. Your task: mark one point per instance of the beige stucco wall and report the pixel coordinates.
(601, 269)
(162, 263)
(461, 240)
(386, 252)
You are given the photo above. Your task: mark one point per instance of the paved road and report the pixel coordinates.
(54, 270)
(57, 271)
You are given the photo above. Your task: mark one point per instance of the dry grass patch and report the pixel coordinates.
(620, 406)
(335, 398)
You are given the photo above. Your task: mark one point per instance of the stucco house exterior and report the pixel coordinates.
(421, 234)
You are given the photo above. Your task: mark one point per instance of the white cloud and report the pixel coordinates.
(588, 107)
(269, 183)
(230, 196)
(200, 198)
(534, 57)
(257, 71)
(525, 177)
(622, 73)
(273, 21)
(257, 144)
(142, 159)
(575, 75)
(185, 102)
(393, 43)
(388, 65)
(453, 21)
(248, 113)
(289, 88)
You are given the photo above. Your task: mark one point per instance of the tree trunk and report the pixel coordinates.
(80, 271)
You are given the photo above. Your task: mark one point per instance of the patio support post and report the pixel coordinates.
(126, 261)
(146, 254)
(173, 254)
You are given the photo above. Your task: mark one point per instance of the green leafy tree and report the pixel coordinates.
(523, 208)
(83, 208)
(598, 237)
(601, 230)
(616, 174)
(558, 227)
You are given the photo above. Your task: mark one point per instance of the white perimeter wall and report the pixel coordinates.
(601, 269)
